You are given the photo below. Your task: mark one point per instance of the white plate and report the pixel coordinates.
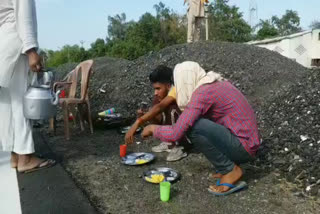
(133, 158)
(169, 174)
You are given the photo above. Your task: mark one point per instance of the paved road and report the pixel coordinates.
(46, 191)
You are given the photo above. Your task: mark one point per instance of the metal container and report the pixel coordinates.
(40, 102)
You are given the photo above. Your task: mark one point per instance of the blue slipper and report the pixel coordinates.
(233, 188)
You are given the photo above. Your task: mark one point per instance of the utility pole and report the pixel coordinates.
(82, 42)
(253, 13)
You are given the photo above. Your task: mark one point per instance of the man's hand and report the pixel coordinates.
(34, 60)
(148, 131)
(140, 113)
(129, 138)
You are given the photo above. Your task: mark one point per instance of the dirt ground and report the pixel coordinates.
(94, 164)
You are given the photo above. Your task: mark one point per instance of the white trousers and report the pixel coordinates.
(194, 28)
(15, 129)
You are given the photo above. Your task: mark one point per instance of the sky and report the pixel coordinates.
(62, 22)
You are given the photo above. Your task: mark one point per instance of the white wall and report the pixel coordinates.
(301, 48)
(315, 44)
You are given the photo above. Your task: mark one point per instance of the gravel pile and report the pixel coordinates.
(283, 93)
(259, 73)
(290, 126)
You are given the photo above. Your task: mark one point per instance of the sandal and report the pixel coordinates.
(46, 163)
(240, 185)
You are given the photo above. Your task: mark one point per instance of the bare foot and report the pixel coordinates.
(231, 178)
(29, 162)
(14, 160)
(215, 175)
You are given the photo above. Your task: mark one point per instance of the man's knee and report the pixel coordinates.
(198, 128)
(201, 125)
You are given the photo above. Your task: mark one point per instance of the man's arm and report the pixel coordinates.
(199, 104)
(25, 14)
(157, 109)
(26, 18)
(151, 114)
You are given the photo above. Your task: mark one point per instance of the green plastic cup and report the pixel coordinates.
(165, 191)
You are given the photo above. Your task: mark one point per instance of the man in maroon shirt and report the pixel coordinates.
(218, 120)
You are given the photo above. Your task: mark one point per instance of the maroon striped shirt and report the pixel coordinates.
(223, 104)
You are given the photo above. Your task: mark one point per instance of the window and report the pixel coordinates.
(315, 62)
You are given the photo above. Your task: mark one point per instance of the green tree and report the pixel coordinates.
(150, 33)
(267, 30)
(288, 24)
(98, 48)
(227, 23)
(118, 27)
(315, 24)
(67, 54)
(173, 28)
(140, 38)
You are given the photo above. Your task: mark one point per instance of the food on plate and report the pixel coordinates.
(155, 178)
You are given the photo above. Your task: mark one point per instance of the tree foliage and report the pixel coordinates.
(227, 23)
(288, 24)
(315, 24)
(118, 27)
(131, 39)
(149, 33)
(267, 30)
(68, 53)
(98, 48)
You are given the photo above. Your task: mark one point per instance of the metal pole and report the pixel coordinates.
(207, 22)
(207, 29)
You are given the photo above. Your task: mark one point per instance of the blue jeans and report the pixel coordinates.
(218, 144)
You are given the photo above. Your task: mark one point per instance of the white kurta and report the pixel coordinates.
(18, 34)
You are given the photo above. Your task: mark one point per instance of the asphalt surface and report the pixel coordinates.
(51, 190)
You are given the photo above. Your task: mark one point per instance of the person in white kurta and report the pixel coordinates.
(18, 45)
(195, 17)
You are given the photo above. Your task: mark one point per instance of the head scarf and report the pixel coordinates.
(188, 76)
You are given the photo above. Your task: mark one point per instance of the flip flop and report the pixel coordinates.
(211, 175)
(233, 188)
(49, 164)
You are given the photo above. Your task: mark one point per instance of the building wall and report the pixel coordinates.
(302, 48)
(316, 44)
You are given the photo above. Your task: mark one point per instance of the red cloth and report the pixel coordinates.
(223, 104)
(62, 94)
